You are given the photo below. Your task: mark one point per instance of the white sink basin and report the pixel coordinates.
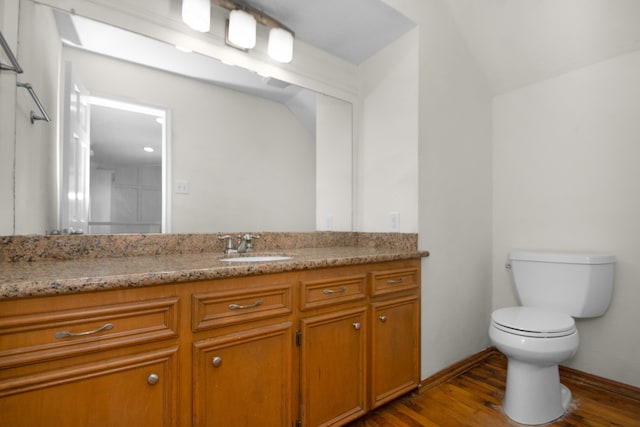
(264, 258)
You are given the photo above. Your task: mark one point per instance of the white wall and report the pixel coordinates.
(334, 164)
(387, 147)
(225, 144)
(454, 211)
(455, 193)
(35, 195)
(9, 28)
(567, 176)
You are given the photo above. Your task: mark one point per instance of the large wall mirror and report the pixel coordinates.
(148, 137)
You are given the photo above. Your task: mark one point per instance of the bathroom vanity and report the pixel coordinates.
(191, 339)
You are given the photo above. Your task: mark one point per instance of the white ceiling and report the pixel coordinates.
(515, 42)
(518, 42)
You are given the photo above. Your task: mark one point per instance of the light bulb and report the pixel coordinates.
(242, 29)
(280, 45)
(197, 14)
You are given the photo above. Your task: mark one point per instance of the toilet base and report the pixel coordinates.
(534, 394)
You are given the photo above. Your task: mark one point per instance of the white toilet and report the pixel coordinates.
(553, 288)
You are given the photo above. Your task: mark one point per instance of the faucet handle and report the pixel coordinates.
(248, 237)
(229, 244)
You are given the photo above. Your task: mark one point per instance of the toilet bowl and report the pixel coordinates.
(535, 341)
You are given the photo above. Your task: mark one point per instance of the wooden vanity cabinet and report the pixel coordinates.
(394, 351)
(93, 359)
(305, 348)
(242, 352)
(333, 367)
(244, 378)
(332, 340)
(359, 340)
(395, 334)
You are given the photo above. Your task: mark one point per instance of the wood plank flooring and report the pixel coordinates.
(474, 398)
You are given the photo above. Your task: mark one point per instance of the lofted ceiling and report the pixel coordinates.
(519, 42)
(515, 42)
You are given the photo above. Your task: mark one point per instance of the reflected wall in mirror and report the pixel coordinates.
(262, 156)
(128, 149)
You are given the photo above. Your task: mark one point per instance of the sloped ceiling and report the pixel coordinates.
(515, 42)
(518, 42)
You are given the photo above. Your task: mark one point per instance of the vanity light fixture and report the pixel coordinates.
(197, 14)
(241, 30)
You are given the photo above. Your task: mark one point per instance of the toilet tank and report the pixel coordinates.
(579, 284)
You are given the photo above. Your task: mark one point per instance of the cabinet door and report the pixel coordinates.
(333, 366)
(395, 348)
(244, 378)
(135, 390)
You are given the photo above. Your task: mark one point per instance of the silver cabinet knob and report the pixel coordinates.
(153, 379)
(383, 318)
(217, 361)
(356, 325)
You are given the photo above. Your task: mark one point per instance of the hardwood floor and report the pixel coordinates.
(474, 398)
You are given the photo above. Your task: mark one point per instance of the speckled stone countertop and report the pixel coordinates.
(50, 270)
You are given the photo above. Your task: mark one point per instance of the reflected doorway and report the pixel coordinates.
(128, 167)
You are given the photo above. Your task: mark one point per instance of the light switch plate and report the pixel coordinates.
(182, 186)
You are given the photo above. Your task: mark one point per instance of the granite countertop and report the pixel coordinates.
(51, 277)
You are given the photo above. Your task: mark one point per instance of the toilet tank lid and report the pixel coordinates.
(562, 257)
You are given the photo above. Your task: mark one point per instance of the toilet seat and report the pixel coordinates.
(533, 322)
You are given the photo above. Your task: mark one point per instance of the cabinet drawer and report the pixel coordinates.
(53, 334)
(389, 281)
(222, 308)
(320, 293)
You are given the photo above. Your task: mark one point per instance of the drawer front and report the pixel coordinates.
(389, 281)
(223, 308)
(52, 334)
(320, 293)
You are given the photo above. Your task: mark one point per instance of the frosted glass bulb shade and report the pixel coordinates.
(242, 29)
(280, 45)
(197, 14)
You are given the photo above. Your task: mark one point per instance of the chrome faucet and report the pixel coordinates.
(245, 243)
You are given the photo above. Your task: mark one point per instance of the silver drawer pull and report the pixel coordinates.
(334, 291)
(67, 334)
(241, 307)
(383, 318)
(356, 325)
(395, 282)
